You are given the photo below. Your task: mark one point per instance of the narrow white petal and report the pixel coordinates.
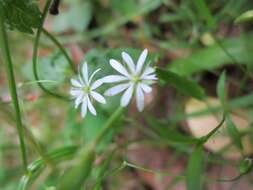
(145, 88)
(114, 78)
(76, 83)
(90, 106)
(84, 108)
(129, 61)
(98, 97)
(85, 72)
(93, 74)
(148, 71)
(125, 99)
(116, 89)
(118, 67)
(149, 77)
(78, 100)
(141, 61)
(139, 98)
(75, 92)
(96, 84)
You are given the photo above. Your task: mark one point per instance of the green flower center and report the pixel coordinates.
(136, 79)
(86, 89)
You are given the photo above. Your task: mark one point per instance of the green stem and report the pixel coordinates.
(108, 125)
(12, 88)
(204, 139)
(35, 53)
(131, 165)
(58, 44)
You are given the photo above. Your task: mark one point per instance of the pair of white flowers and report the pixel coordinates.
(132, 79)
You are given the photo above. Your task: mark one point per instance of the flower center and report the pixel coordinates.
(86, 89)
(136, 79)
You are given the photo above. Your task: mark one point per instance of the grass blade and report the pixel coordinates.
(182, 84)
(194, 170)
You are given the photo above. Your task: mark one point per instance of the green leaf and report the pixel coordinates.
(124, 7)
(92, 126)
(220, 89)
(142, 8)
(244, 17)
(21, 15)
(168, 134)
(23, 183)
(205, 12)
(80, 171)
(182, 84)
(246, 165)
(194, 170)
(234, 133)
(214, 56)
(103, 168)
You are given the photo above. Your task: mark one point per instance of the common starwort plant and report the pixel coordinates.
(83, 90)
(135, 78)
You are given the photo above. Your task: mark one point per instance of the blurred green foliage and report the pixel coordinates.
(192, 41)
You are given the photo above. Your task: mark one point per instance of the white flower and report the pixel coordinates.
(83, 90)
(135, 79)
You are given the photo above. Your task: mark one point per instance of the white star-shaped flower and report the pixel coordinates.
(83, 91)
(134, 79)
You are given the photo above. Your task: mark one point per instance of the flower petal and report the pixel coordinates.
(96, 84)
(92, 75)
(75, 92)
(118, 67)
(146, 88)
(148, 71)
(116, 89)
(85, 72)
(76, 83)
(98, 97)
(90, 106)
(125, 99)
(129, 61)
(79, 100)
(84, 108)
(114, 78)
(149, 77)
(141, 61)
(139, 98)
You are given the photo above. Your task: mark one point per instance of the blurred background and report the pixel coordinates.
(190, 39)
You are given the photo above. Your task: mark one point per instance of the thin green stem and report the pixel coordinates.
(58, 44)
(35, 54)
(108, 125)
(12, 88)
(206, 137)
(131, 165)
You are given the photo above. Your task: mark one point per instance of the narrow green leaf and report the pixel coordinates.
(209, 58)
(194, 170)
(244, 17)
(234, 133)
(102, 172)
(220, 88)
(205, 12)
(76, 176)
(182, 84)
(171, 135)
(246, 165)
(23, 183)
